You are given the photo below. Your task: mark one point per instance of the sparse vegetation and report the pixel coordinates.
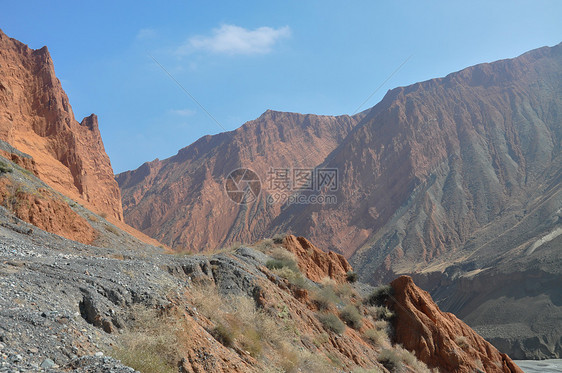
(351, 276)
(264, 245)
(379, 296)
(238, 322)
(376, 337)
(4, 168)
(380, 313)
(390, 359)
(394, 360)
(325, 298)
(345, 292)
(278, 238)
(281, 263)
(462, 342)
(331, 322)
(112, 229)
(223, 335)
(151, 343)
(351, 316)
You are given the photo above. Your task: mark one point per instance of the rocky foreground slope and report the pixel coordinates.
(65, 306)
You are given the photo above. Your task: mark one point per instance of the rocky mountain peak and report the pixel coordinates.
(37, 119)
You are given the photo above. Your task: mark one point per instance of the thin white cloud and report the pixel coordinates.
(146, 33)
(182, 112)
(232, 40)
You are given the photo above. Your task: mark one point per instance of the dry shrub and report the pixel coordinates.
(394, 360)
(411, 360)
(325, 297)
(264, 246)
(206, 299)
(345, 291)
(390, 359)
(376, 337)
(151, 343)
(380, 313)
(331, 322)
(351, 276)
(351, 316)
(462, 342)
(379, 295)
(5, 168)
(382, 325)
(238, 322)
(278, 238)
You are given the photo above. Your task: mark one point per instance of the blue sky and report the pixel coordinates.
(239, 59)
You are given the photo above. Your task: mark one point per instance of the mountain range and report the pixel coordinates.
(451, 180)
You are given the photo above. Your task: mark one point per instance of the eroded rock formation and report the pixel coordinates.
(37, 119)
(440, 339)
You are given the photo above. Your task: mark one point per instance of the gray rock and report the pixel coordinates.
(47, 363)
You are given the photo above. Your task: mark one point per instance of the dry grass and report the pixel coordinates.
(238, 322)
(376, 337)
(380, 313)
(397, 358)
(351, 316)
(462, 342)
(151, 343)
(325, 298)
(331, 322)
(278, 238)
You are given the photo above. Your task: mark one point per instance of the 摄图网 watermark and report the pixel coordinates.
(284, 185)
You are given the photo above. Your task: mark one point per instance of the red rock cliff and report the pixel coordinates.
(439, 339)
(315, 263)
(36, 118)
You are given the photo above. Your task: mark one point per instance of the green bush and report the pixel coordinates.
(331, 322)
(351, 316)
(4, 168)
(379, 296)
(351, 276)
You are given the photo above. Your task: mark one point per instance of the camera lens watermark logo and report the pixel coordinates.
(243, 186)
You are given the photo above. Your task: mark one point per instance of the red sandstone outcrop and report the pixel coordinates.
(440, 339)
(47, 211)
(36, 118)
(315, 263)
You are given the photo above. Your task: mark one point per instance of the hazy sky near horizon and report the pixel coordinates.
(238, 59)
